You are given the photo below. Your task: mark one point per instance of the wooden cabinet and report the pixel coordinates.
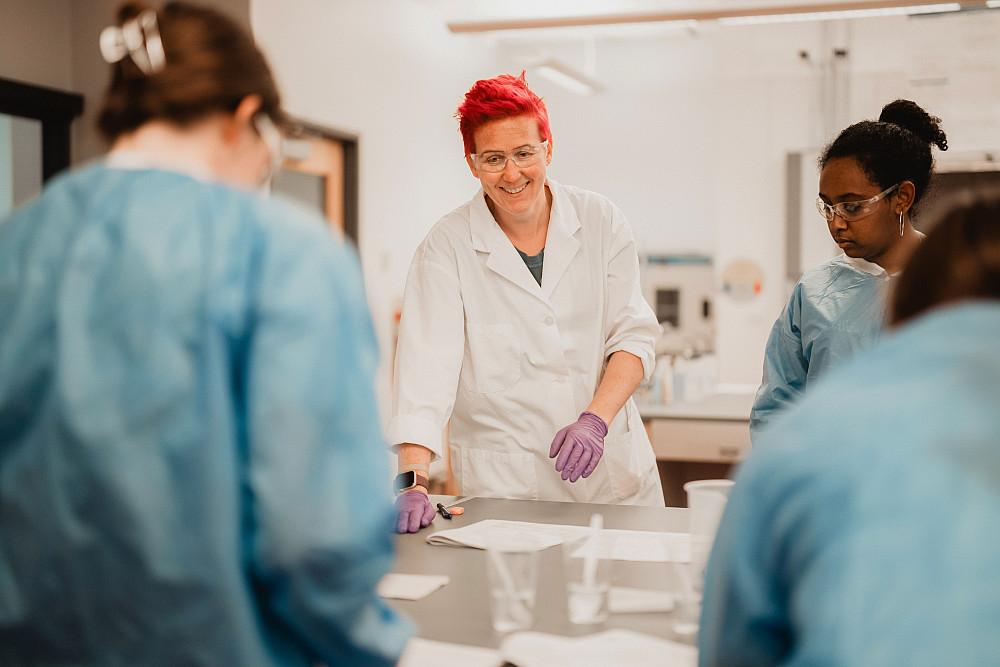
(698, 441)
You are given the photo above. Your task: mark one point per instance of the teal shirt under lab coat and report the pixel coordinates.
(191, 466)
(835, 311)
(866, 528)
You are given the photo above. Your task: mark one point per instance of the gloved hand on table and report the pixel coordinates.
(579, 446)
(413, 511)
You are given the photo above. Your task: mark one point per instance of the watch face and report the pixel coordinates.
(405, 480)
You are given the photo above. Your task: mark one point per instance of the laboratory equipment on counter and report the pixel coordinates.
(680, 288)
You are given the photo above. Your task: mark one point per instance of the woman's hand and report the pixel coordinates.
(413, 511)
(579, 446)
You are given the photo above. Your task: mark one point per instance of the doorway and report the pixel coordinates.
(320, 171)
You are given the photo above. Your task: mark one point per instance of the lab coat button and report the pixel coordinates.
(548, 320)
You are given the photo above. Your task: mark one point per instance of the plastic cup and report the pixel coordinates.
(512, 572)
(707, 500)
(587, 586)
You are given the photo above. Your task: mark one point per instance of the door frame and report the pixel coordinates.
(301, 129)
(55, 109)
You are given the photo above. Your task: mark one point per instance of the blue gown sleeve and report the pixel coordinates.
(744, 616)
(318, 479)
(786, 367)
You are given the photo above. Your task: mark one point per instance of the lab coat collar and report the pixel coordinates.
(864, 266)
(561, 245)
(132, 160)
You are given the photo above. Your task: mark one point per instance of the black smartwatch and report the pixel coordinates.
(410, 480)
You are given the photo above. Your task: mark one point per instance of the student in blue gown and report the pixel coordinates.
(867, 530)
(872, 178)
(191, 465)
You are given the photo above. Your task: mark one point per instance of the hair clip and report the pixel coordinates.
(138, 38)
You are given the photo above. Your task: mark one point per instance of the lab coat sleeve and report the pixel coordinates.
(630, 323)
(321, 518)
(744, 615)
(430, 349)
(786, 367)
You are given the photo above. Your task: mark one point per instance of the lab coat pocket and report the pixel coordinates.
(499, 474)
(622, 468)
(630, 463)
(494, 354)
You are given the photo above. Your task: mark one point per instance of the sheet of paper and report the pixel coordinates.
(612, 647)
(427, 653)
(511, 534)
(631, 545)
(622, 600)
(642, 546)
(410, 586)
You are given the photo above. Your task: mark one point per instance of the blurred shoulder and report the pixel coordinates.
(292, 224)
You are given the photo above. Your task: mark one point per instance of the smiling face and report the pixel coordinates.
(843, 180)
(516, 194)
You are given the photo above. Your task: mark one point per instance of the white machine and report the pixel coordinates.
(680, 288)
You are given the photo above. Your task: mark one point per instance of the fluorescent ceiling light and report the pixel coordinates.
(562, 75)
(729, 14)
(795, 17)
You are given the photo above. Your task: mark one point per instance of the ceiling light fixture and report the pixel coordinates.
(836, 15)
(734, 15)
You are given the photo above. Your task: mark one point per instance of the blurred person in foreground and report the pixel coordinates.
(187, 418)
(866, 531)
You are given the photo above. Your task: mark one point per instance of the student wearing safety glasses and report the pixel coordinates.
(873, 540)
(872, 178)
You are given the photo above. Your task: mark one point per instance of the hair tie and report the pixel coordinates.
(138, 38)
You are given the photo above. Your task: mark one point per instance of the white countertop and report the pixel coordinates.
(719, 407)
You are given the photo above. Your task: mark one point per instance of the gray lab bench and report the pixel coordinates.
(460, 612)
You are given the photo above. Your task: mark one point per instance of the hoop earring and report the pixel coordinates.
(900, 223)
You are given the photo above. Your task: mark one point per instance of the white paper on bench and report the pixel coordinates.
(630, 545)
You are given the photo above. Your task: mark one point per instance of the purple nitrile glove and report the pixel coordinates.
(579, 446)
(413, 511)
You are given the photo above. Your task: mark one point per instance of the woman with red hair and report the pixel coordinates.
(534, 368)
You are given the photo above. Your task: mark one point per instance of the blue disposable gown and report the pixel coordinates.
(835, 311)
(191, 466)
(867, 530)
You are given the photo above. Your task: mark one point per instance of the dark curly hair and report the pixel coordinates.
(895, 148)
(959, 260)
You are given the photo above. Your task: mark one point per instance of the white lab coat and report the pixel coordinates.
(511, 362)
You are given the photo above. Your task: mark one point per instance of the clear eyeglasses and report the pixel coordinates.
(523, 156)
(849, 211)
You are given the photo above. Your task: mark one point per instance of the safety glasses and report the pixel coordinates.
(849, 211)
(523, 156)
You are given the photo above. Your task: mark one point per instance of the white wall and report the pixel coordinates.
(389, 71)
(35, 42)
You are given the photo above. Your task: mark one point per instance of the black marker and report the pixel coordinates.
(444, 512)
